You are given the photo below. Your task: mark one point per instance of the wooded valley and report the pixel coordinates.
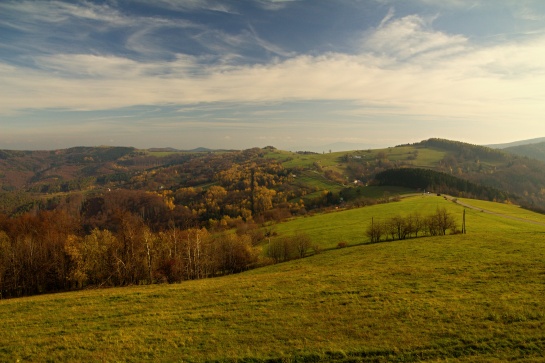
(87, 217)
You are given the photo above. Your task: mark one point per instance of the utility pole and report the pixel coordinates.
(252, 190)
(464, 223)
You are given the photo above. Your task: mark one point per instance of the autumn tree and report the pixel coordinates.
(232, 253)
(214, 201)
(195, 244)
(151, 244)
(282, 249)
(170, 265)
(6, 257)
(77, 269)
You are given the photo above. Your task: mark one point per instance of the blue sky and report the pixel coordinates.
(298, 74)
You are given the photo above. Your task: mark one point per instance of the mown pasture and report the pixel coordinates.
(476, 297)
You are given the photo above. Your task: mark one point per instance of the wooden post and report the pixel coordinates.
(464, 223)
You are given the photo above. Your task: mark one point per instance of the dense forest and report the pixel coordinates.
(438, 182)
(49, 252)
(160, 227)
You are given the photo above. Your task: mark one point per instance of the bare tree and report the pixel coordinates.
(445, 221)
(417, 223)
(302, 243)
(375, 231)
(440, 222)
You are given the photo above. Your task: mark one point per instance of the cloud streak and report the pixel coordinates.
(402, 69)
(404, 65)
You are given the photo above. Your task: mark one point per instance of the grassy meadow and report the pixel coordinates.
(328, 229)
(477, 297)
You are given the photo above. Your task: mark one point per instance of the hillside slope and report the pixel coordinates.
(534, 151)
(521, 177)
(465, 298)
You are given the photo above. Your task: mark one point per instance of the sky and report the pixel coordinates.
(294, 74)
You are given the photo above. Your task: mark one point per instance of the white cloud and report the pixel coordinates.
(450, 3)
(274, 4)
(57, 12)
(387, 17)
(405, 69)
(527, 13)
(446, 4)
(178, 5)
(408, 37)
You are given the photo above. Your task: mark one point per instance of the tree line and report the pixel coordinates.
(465, 151)
(439, 182)
(411, 226)
(49, 251)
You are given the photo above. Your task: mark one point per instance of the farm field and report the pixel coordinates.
(476, 297)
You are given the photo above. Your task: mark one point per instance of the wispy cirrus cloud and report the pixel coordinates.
(274, 4)
(409, 37)
(26, 13)
(209, 5)
(403, 68)
(487, 82)
(103, 29)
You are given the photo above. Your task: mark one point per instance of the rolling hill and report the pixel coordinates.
(533, 148)
(462, 298)
(517, 143)
(83, 218)
(534, 151)
(312, 180)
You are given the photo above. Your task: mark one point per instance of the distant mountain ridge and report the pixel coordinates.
(534, 151)
(531, 148)
(517, 143)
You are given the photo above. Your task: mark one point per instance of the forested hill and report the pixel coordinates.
(34, 169)
(139, 204)
(203, 186)
(425, 179)
(520, 176)
(534, 151)
(464, 151)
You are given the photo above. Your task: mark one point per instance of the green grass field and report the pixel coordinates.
(292, 160)
(317, 180)
(500, 208)
(328, 229)
(477, 297)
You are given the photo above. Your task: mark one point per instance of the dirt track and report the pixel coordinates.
(452, 199)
